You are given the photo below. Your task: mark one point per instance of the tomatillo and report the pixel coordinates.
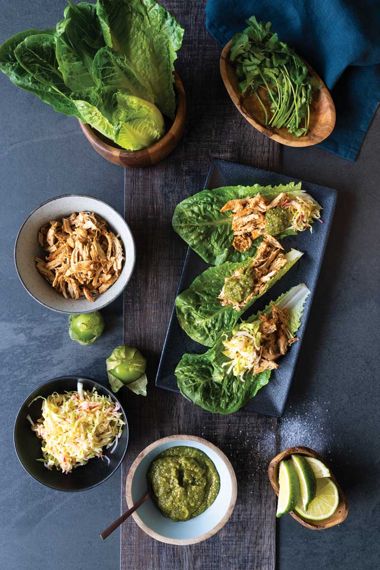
(86, 328)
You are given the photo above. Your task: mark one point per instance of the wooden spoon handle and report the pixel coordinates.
(113, 526)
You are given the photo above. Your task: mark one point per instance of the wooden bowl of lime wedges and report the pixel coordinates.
(307, 489)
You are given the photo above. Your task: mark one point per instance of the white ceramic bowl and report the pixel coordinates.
(27, 248)
(149, 518)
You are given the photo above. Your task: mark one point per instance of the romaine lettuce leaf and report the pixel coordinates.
(36, 54)
(116, 73)
(149, 38)
(131, 122)
(8, 61)
(92, 115)
(21, 78)
(207, 230)
(137, 122)
(200, 312)
(204, 380)
(30, 62)
(294, 300)
(78, 39)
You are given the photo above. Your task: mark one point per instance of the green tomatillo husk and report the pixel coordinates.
(126, 367)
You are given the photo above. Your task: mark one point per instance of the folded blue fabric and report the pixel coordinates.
(339, 38)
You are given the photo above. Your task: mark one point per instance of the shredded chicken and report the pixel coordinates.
(275, 338)
(255, 347)
(268, 261)
(84, 258)
(248, 215)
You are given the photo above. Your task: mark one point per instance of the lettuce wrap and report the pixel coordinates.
(225, 224)
(228, 375)
(219, 296)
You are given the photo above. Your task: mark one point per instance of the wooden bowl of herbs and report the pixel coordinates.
(305, 463)
(275, 90)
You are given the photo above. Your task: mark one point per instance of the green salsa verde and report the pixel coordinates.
(184, 482)
(277, 220)
(237, 288)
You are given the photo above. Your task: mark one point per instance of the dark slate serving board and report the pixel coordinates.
(272, 398)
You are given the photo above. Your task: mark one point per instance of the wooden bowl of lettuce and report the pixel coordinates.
(157, 151)
(110, 65)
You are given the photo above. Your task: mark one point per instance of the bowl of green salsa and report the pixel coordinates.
(192, 486)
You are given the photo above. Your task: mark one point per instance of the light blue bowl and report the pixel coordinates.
(149, 518)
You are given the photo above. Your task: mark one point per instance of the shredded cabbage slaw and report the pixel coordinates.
(253, 349)
(242, 349)
(76, 426)
(304, 210)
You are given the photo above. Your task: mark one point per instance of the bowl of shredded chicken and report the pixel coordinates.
(71, 433)
(82, 256)
(74, 254)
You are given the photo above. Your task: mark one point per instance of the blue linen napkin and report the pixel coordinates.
(339, 38)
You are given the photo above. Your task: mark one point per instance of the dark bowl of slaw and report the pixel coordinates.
(28, 445)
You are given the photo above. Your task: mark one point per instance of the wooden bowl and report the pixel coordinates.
(147, 156)
(341, 512)
(322, 116)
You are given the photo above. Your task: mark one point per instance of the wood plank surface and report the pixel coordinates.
(214, 129)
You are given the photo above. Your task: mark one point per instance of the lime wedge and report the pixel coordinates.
(325, 503)
(319, 469)
(289, 488)
(306, 478)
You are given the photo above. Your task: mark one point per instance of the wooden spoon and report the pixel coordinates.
(322, 112)
(341, 512)
(113, 526)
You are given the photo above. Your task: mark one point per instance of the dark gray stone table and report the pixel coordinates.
(42, 155)
(334, 401)
(334, 404)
